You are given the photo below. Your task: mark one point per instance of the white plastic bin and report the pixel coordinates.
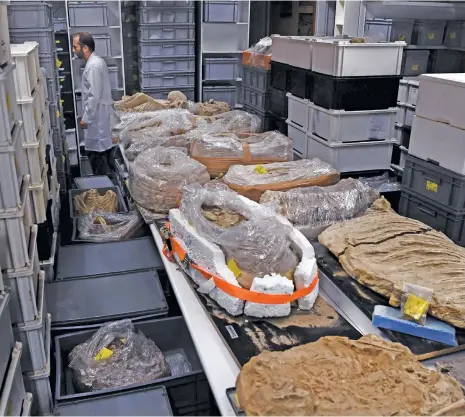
(35, 156)
(39, 197)
(298, 137)
(27, 72)
(13, 392)
(220, 93)
(428, 32)
(5, 54)
(220, 68)
(45, 38)
(398, 133)
(412, 96)
(157, 15)
(415, 62)
(299, 112)
(403, 91)
(88, 13)
(221, 11)
(174, 79)
(352, 157)
(455, 34)
(344, 59)
(400, 116)
(409, 113)
(48, 265)
(353, 126)
(167, 32)
(28, 14)
(9, 111)
(163, 48)
(166, 64)
(31, 112)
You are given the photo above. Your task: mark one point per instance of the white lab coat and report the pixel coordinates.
(97, 104)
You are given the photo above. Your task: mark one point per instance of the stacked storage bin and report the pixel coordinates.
(433, 182)
(166, 47)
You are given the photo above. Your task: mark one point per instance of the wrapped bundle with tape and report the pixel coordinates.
(252, 181)
(235, 121)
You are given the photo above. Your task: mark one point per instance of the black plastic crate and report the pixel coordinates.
(62, 41)
(354, 93)
(277, 123)
(67, 102)
(66, 85)
(65, 65)
(44, 239)
(122, 208)
(279, 102)
(429, 180)
(300, 82)
(451, 223)
(170, 335)
(280, 76)
(70, 121)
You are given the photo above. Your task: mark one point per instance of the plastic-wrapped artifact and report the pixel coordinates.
(383, 183)
(158, 175)
(255, 240)
(101, 226)
(115, 356)
(252, 181)
(313, 209)
(218, 151)
(235, 121)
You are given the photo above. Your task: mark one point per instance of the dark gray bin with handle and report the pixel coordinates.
(171, 335)
(151, 401)
(122, 208)
(6, 340)
(93, 181)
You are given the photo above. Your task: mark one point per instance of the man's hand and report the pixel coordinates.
(83, 124)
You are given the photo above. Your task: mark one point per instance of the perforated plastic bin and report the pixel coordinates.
(257, 98)
(299, 139)
(166, 32)
(415, 62)
(220, 93)
(279, 103)
(60, 24)
(428, 32)
(166, 64)
(162, 93)
(13, 393)
(172, 79)
(48, 61)
(122, 207)
(160, 15)
(220, 68)
(162, 48)
(220, 11)
(88, 13)
(445, 61)
(257, 78)
(45, 38)
(171, 336)
(6, 341)
(27, 14)
(262, 114)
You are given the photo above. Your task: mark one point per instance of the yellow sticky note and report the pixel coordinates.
(58, 113)
(415, 306)
(452, 35)
(402, 37)
(104, 353)
(432, 186)
(260, 169)
(430, 35)
(8, 104)
(233, 267)
(415, 67)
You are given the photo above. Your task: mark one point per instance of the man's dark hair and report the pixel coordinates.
(86, 39)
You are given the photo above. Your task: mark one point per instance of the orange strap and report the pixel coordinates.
(242, 293)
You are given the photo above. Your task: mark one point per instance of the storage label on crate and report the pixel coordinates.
(415, 67)
(232, 332)
(452, 35)
(432, 186)
(431, 35)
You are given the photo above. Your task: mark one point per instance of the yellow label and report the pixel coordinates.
(63, 158)
(104, 353)
(62, 102)
(415, 306)
(8, 104)
(59, 63)
(126, 182)
(35, 114)
(452, 35)
(62, 80)
(432, 186)
(415, 67)
(260, 169)
(402, 37)
(234, 268)
(430, 35)
(58, 113)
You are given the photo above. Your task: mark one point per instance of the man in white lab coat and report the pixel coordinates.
(97, 105)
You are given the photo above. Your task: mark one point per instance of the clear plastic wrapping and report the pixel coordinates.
(316, 208)
(254, 239)
(115, 356)
(158, 175)
(382, 183)
(235, 121)
(253, 180)
(101, 226)
(263, 46)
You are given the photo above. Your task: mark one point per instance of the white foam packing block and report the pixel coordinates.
(270, 284)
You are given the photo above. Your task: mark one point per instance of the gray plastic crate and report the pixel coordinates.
(94, 181)
(455, 34)
(438, 184)
(257, 78)
(163, 48)
(445, 61)
(162, 93)
(13, 394)
(102, 45)
(166, 32)
(378, 30)
(402, 30)
(264, 116)
(60, 24)
(220, 93)
(451, 223)
(28, 14)
(6, 340)
(415, 62)
(88, 13)
(162, 15)
(220, 68)
(45, 38)
(257, 98)
(122, 207)
(166, 64)
(220, 11)
(428, 32)
(113, 74)
(51, 88)
(167, 3)
(172, 79)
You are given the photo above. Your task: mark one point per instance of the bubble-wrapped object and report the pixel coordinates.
(158, 175)
(235, 121)
(117, 355)
(313, 209)
(252, 181)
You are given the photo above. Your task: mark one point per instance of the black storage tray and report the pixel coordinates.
(171, 335)
(91, 301)
(70, 121)
(278, 123)
(107, 258)
(65, 65)
(66, 85)
(44, 240)
(122, 208)
(354, 93)
(280, 76)
(279, 102)
(67, 102)
(300, 82)
(62, 41)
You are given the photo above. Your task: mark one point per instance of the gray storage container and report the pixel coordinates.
(161, 15)
(257, 78)
(122, 208)
(6, 340)
(88, 13)
(94, 181)
(220, 93)
(162, 93)
(378, 30)
(51, 88)
(415, 62)
(102, 45)
(428, 32)
(172, 79)
(220, 68)
(445, 61)
(455, 34)
(166, 64)
(220, 11)
(167, 3)
(45, 38)
(163, 48)
(257, 98)
(402, 30)
(166, 32)
(12, 392)
(264, 116)
(113, 74)
(29, 14)
(60, 24)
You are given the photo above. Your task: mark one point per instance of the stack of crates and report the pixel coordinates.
(220, 78)
(166, 47)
